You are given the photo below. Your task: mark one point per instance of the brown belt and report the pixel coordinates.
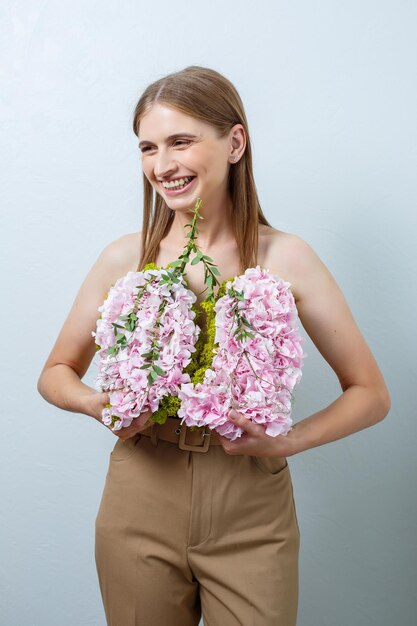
(198, 440)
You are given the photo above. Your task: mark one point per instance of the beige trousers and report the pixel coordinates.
(180, 534)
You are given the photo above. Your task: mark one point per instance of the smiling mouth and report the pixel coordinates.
(174, 184)
(179, 187)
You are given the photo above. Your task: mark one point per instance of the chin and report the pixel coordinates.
(181, 204)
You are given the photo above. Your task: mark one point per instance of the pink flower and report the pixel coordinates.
(256, 375)
(123, 373)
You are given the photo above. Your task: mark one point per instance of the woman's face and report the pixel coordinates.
(175, 146)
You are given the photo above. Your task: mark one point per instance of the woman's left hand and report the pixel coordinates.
(254, 441)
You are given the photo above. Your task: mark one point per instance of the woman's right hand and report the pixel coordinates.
(93, 405)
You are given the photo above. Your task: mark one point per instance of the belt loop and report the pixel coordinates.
(154, 436)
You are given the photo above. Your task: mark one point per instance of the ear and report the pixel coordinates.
(237, 138)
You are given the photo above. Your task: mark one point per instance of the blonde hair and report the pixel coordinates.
(203, 94)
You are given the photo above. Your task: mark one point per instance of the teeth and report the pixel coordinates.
(177, 183)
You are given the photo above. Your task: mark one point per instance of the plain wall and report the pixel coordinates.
(330, 94)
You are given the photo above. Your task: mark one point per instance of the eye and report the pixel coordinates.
(177, 141)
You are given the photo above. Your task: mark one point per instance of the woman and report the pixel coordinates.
(180, 533)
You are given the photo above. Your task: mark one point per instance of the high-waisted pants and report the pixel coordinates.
(183, 534)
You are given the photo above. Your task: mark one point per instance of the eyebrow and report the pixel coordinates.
(189, 135)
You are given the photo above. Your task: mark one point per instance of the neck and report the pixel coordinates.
(213, 230)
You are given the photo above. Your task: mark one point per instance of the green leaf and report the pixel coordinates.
(159, 371)
(144, 367)
(215, 271)
(195, 261)
(207, 258)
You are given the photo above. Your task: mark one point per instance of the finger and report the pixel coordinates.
(245, 423)
(144, 419)
(240, 445)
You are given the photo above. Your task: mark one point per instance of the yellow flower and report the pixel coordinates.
(201, 359)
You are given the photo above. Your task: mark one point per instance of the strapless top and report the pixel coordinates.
(221, 367)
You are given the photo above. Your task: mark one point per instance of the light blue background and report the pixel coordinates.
(331, 98)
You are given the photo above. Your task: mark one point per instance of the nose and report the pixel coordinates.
(164, 166)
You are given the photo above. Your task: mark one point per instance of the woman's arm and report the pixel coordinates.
(327, 319)
(60, 380)
(325, 315)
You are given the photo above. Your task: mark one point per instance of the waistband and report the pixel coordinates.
(198, 440)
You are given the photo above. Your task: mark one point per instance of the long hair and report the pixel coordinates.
(203, 94)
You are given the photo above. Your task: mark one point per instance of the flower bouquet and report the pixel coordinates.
(146, 338)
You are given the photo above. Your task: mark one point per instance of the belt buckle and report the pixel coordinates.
(187, 446)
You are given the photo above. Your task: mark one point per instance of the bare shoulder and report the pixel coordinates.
(122, 255)
(125, 250)
(290, 257)
(281, 240)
